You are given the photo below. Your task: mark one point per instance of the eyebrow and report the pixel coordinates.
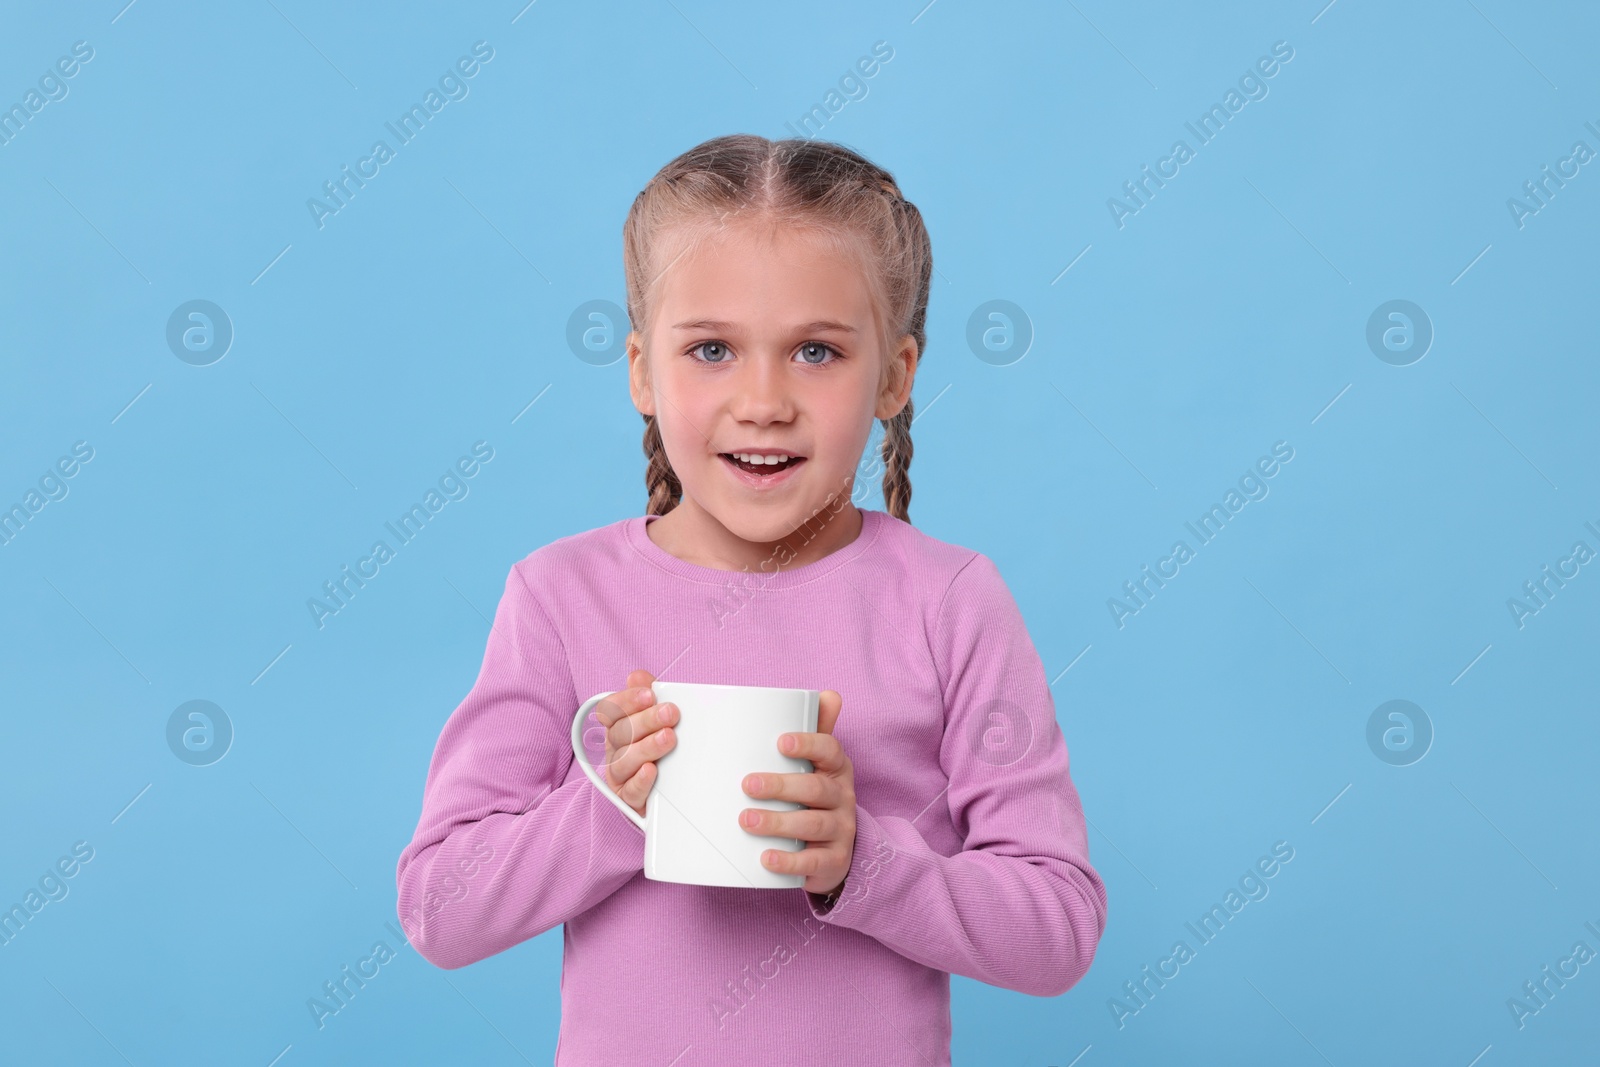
(819, 326)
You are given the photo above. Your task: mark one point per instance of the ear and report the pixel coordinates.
(639, 375)
(902, 370)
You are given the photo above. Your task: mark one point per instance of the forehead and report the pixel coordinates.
(761, 272)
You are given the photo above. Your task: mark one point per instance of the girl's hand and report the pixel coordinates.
(828, 820)
(638, 732)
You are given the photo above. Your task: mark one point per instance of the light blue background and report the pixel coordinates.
(426, 315)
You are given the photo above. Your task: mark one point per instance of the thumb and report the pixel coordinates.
(828, 711)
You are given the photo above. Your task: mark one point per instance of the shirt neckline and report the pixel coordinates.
(872, 523)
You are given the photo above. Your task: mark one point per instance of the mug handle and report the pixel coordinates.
(583, 759)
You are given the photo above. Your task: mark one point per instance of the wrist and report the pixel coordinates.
(826, 901)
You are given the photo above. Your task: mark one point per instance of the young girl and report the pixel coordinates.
(778, 293)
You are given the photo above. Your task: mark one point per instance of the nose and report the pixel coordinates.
(762, 391)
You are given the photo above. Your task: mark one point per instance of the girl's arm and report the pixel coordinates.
(503, 851)
(1020, 907)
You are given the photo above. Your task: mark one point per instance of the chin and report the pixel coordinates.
(761, 523)
(767, 514)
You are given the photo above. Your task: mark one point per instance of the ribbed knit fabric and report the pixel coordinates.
(970, 853)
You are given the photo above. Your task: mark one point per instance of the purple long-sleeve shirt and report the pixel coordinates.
(970, 852)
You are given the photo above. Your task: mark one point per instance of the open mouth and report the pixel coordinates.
(761, 466)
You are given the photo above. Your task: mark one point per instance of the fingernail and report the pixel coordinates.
(748, 819)
(753, 784)
(788, 741)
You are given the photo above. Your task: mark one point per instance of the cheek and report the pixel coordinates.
(681, 416)
(843, 425)
(678, 434)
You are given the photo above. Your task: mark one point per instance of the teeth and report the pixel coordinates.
(769, 460)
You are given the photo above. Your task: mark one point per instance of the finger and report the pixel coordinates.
(634, 790)
(812, 790)
(623, 702)
(806, 824)
(823, 750)
(828, 711)
(807, 861)
(641, 724)
(624, 761)
(641, 679)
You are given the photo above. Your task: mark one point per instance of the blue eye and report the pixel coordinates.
(818, 349)
(717, 346)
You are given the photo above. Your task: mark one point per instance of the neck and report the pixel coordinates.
(694, 535)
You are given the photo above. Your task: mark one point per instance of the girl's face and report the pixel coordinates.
(763, 340)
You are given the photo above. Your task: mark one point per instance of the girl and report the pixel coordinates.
(778, 293)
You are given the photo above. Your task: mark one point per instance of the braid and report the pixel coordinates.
(897, 464)
(897, 450)
(659, 478)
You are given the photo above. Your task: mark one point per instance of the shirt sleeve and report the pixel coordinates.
(503, 851)
(1019, 906)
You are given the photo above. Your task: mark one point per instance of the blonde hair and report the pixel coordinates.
(816, 185)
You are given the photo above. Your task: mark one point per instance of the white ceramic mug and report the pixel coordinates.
(691, 822)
